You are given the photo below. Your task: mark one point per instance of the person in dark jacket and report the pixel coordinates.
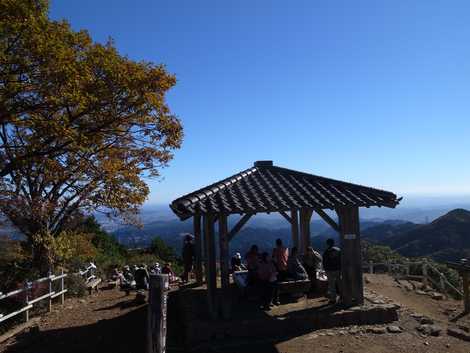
(332, 267)
(188, 256)
(295, 269)
(141, 276)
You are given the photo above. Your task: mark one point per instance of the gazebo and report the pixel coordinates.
(266, 188)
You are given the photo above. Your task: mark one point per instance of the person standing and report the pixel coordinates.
(252, 261)
(332, 267)
(188, 256)
(280, 257)
(141, 278)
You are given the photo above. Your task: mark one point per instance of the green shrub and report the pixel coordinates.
(75, 285)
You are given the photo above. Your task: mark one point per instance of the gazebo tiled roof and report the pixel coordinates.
(269, 188)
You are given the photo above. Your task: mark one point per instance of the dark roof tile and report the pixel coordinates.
(268, 188)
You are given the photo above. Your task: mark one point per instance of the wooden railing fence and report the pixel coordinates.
(29, 301)
(429, 274)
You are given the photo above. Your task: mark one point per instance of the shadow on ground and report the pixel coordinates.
(249, 330)
(123, 334)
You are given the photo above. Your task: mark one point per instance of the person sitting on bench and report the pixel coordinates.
(267, 280)
(280, 257)
(236, 263)
(295, 269)
(312, 261)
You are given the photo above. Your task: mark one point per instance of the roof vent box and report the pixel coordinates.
(263, 164)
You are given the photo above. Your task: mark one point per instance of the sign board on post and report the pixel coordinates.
(157, 311)
(350, 236)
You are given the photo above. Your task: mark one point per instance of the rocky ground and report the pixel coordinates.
(424, 320)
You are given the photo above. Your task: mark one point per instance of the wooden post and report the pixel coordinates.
(466, 291)
(352, 290)
(371, 267)
(157, 313)
(26, 313)
(407, 269)
(224, 266)
(50, 291)
(305, 217)
(425, 273)
(211, 271)
(62, 296)
(294, 215)
(198, 248)
(442, 283)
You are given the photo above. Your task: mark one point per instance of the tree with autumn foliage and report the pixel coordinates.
(81, 126)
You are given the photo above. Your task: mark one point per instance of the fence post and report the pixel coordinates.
(62, 286)
(442, 283)
(407, 268)
(26, 313)
(425, 273)
(157, 310)
(50, 290)
(389, 267)
(371, 267)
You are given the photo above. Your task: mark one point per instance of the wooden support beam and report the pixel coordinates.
(211, 273)
(286, 216)
(225, 299)
(305, 217)
(328, 219)
(198, 248)
(352, 290)
(236, 228)
(294, 215)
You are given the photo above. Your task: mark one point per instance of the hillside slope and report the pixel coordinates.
(446, 238)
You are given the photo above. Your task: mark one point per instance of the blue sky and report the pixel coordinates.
(373, 92)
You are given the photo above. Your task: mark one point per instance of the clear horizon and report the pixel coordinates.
(368, 92)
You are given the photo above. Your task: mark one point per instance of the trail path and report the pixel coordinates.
(107, 321)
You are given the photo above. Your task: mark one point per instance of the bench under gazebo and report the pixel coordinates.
(266, 188)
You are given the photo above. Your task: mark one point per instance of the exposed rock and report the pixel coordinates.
(426, 320)
(429, 330)
(416, 316)
(420, 292)
(377, 330)
(456, 332)
(426, 288)
(437, 296)
(408, 286)
(394, 329)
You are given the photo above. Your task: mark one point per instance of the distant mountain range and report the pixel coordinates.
(445, 238)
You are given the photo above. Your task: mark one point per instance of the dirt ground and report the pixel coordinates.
(107, 321)
(358, 339)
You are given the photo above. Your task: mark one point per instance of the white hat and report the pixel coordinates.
(237, 255)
